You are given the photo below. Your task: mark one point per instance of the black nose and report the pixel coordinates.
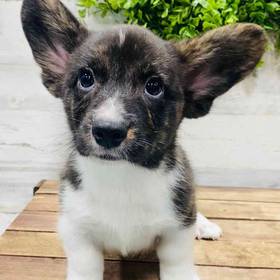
(108, 136)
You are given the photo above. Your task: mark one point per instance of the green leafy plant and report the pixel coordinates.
(178, 19)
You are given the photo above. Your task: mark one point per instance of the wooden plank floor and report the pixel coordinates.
(248, 250)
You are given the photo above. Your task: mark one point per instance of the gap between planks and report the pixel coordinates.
(203, 193)
(248, 249)
(29, 268)
(215, 209)
(36, 221)
(237, 253)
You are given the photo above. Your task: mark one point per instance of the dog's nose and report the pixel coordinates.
(108, 136)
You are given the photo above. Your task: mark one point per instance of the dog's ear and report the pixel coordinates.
(217, 60)
(53, 33)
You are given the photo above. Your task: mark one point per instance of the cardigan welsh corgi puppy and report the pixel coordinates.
(128, 185)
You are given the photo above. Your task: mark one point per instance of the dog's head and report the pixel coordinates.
(125, 91)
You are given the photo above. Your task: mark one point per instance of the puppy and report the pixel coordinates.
(128, 185)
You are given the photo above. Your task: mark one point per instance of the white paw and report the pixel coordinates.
(206, 229)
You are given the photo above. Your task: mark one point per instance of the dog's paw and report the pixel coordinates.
(206, 229)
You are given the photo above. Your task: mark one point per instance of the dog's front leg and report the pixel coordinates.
(85, 260)
(175, 254)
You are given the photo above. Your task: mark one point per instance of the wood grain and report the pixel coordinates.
(239, 210)
(213, 208)
(35, 221)
(203, 193)
(238, 194)
(47, 187)
(40, 221)
(44, 202)
(29, 268)
(16, 243)
(238, 254)
(221, 253)
(246, 230)
(249, 248)
(229, 273)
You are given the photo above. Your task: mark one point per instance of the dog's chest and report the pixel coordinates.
(124, 207)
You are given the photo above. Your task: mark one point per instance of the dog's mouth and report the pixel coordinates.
(108, 155)
(112, 154)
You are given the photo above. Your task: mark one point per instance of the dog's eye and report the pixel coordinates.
(86, 79)
(154, 87)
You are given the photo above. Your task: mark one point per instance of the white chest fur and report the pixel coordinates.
(124, 207)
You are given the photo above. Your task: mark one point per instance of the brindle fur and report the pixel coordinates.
(194, 73)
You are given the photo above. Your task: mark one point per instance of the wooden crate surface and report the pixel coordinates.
(248, 250)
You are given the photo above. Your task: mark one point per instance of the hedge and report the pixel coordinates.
(178, 19)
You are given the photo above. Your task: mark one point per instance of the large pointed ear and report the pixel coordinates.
(53, 33)
(216, 61)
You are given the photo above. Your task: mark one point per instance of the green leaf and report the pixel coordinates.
(178, 19)
(82, 13)
(165, 13)
(231, 19)
(203, 3)
(129, 4)
(114, 4)
(272, 7)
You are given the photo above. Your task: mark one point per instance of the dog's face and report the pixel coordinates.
(125, 91)
(122, 95)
